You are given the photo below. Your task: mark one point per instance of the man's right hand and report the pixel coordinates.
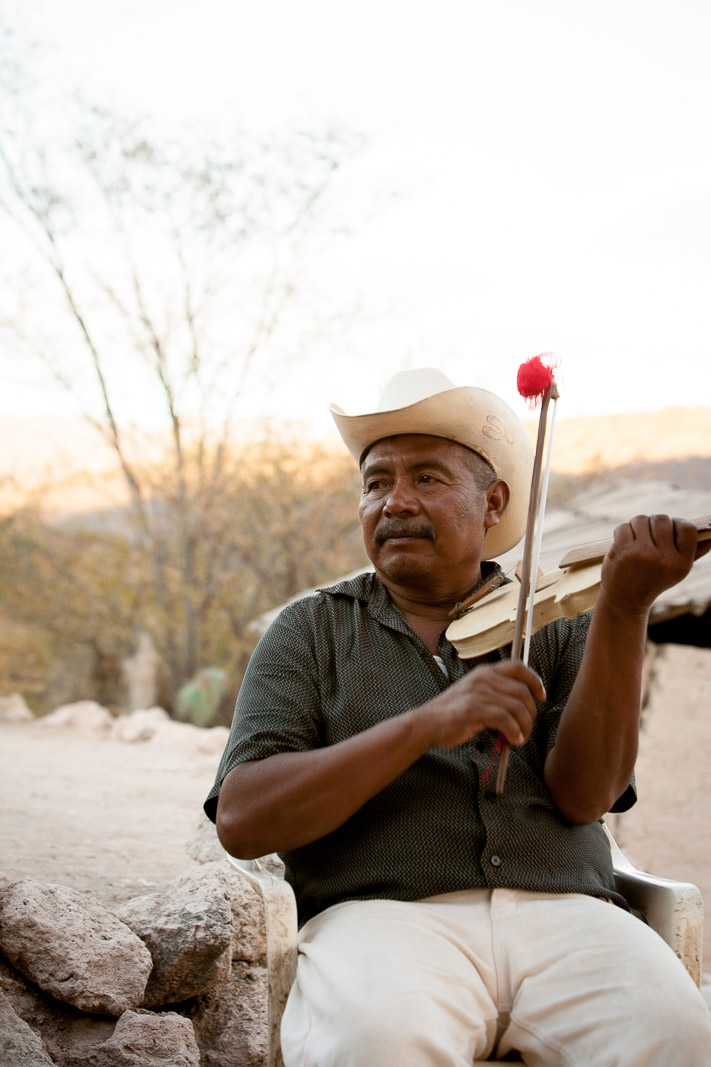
(496, 696)
(289, 799)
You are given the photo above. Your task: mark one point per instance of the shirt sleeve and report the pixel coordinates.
(278, 706)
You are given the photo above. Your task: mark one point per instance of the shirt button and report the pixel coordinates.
(495, 861)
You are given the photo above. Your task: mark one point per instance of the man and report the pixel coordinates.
(441, 922)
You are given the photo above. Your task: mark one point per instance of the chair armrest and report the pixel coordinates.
(280, 917)
(673, 909)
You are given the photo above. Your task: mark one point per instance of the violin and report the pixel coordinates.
(493, 617)
(564, 593)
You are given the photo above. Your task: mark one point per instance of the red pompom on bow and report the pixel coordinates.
(534, 378)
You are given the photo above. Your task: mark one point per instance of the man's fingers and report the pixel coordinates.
(521, 672)
(702, 548)
(511, 698)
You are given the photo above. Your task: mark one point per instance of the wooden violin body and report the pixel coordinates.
(564, 593)
(489, 624)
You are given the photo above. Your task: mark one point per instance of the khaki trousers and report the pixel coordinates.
(563, 979)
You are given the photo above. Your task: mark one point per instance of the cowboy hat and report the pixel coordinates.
(425, 401)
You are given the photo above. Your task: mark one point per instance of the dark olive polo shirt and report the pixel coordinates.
(344, 659)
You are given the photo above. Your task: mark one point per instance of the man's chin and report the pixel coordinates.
(402, 570)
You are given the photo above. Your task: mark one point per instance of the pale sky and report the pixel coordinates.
(554, 157)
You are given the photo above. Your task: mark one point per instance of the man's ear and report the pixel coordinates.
(497, 498)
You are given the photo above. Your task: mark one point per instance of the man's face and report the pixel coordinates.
(424, 512)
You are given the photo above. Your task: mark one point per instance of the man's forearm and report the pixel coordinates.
(596, 746)
(293, 798)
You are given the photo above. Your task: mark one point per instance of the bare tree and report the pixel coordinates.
(158, 273)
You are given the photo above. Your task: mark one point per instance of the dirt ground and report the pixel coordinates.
(104, 817)
(113, 818)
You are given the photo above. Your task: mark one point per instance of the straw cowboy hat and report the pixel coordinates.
(425, 401)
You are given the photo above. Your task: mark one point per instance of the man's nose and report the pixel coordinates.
(401, 498)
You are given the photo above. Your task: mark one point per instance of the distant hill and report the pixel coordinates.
(66, 462)
(599, 442)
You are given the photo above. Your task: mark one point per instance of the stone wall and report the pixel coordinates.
(174, 978)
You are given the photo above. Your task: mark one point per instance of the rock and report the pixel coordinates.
(188, 929)
(139, 725)
(68, 1034)
(144, 1039)
(154, 724)
(212, 741)
(85, 715)
(203, 845)
(72, 947)
(250, 936)
(19, 1044)
(178, 737)
(14, 709)
(249, 940)
(706, 990)
(231, 1021)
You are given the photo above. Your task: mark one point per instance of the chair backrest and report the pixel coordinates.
(674, 909)
(281, 927)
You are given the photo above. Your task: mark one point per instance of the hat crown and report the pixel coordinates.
(425, 401)
(410, 386)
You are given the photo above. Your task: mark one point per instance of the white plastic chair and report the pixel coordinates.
(673, 909)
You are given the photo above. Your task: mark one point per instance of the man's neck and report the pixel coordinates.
(431, 602)
(429, 611)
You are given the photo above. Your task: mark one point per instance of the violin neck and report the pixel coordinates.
(593, 553)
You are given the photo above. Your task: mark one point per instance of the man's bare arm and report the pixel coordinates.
(293, 798)
(593, 759)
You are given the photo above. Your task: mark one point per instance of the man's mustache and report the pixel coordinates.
(400, 529)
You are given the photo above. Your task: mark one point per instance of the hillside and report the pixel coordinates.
(656, 438)
(65, 463)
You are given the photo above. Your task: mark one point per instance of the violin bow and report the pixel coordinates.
(536, 383)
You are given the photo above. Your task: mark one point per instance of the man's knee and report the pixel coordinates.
(672, 1017)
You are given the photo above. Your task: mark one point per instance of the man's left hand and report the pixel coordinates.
(649, 554)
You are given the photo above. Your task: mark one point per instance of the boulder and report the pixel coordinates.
(249, 941)
(231, 1020)
(14, 709)
(203, 845)
(72, 947)
(68, 1034)
(145, 1039)
(139, 725)
(212, 740)
(179, 737)
(19, 1044)
(250, 934)
(188, 929)
(86, 716)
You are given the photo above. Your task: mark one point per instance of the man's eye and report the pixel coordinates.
(426, 478)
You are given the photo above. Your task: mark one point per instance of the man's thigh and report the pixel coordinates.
(569, 981)
(385, 982)
(587, 984)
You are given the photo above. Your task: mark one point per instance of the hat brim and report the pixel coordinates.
(472, 417)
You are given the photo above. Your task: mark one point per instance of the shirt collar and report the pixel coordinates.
(367, 587)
